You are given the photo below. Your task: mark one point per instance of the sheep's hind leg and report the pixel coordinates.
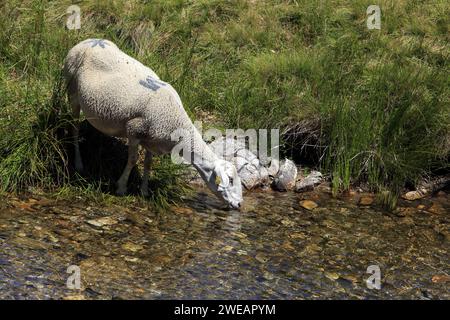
(133, 145)
(147, 164)
(75, 131)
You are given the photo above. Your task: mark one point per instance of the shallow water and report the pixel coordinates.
(272, 249)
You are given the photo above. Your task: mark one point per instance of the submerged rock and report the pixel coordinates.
(426, 188)
(309, 182)
(308, 204)
(75, 297)
(101, 222)
(286, 176)
(440, 278)
(133, 247)
(366, 200)
(414, 195)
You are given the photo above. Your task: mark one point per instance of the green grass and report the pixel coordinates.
(379, 97)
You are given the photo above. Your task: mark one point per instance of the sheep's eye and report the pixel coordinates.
(231, 180)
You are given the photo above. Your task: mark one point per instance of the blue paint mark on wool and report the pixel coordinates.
(100, 42)
(152, 83)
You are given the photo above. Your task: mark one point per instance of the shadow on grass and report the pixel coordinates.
(104, 158)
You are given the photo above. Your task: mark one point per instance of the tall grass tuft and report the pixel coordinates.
(32, 151)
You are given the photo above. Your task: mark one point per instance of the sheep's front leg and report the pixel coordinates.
(133, 145)
(147, 164)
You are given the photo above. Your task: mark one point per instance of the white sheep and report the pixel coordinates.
(121, 97)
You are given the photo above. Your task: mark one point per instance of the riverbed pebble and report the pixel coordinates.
(366, 200)
(133, 247)
(101, 222)
(308, 204)
(414, 195)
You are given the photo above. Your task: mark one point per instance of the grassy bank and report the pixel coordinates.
(377, 99)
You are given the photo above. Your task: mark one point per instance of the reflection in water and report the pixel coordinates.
(274, 248)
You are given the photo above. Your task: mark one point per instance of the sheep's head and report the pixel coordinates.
(226, 183)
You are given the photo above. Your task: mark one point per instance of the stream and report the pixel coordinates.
(272, 249)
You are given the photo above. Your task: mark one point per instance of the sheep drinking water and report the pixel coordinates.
(121, 97)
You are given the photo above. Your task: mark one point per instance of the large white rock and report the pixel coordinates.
(227, 148)
(273, 168)
(264, 176)
(249, 168)
(309, 182)
(286, 176)
(250, 175)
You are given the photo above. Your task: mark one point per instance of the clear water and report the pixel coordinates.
(272, 249)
